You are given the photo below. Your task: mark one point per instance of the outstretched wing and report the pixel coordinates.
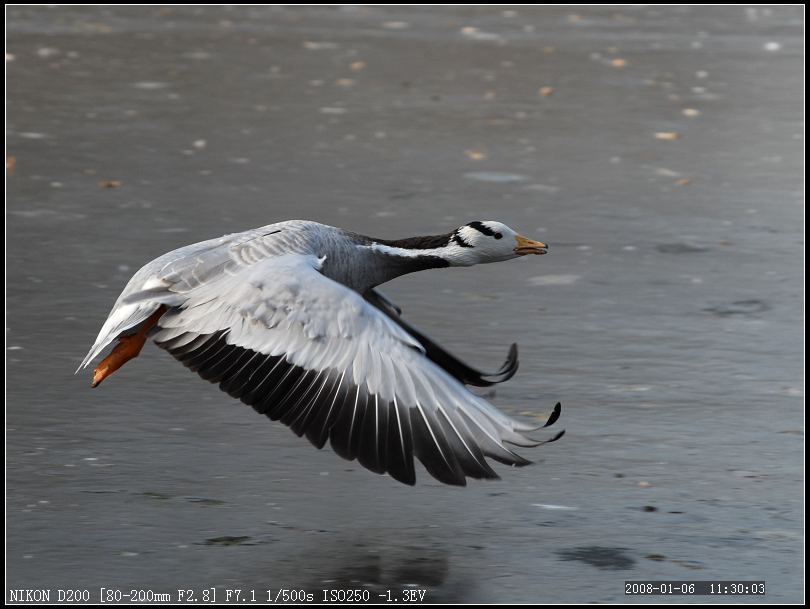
(307, 351)
(450, 363)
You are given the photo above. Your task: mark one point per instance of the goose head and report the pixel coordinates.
(481, 242)
(478, 242)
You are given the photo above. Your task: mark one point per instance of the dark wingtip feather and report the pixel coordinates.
(507, 370)
(554, 438)
(554, 415)
(410, 481)
(432, 448)
(511, 358)
(383, 437)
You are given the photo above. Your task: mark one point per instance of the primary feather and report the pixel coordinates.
(285, 318)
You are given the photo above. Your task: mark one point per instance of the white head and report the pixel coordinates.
(489, 241)
(474, 243)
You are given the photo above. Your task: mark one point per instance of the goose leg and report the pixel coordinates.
(128, 347)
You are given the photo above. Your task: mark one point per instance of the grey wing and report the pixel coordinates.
(158, 282)
(305, 350)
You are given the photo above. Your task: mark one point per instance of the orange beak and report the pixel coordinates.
(527, 246)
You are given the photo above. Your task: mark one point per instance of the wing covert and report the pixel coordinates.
(305, 350)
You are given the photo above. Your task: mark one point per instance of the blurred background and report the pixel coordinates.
(658, 150)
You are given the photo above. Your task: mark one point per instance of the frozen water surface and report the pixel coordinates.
(213, 120)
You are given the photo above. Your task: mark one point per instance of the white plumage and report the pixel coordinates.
(285, 318)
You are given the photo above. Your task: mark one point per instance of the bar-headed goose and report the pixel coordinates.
(286, 318)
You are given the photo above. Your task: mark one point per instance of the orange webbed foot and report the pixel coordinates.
(128, 347)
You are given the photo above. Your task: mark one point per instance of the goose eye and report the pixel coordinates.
(498, 235)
